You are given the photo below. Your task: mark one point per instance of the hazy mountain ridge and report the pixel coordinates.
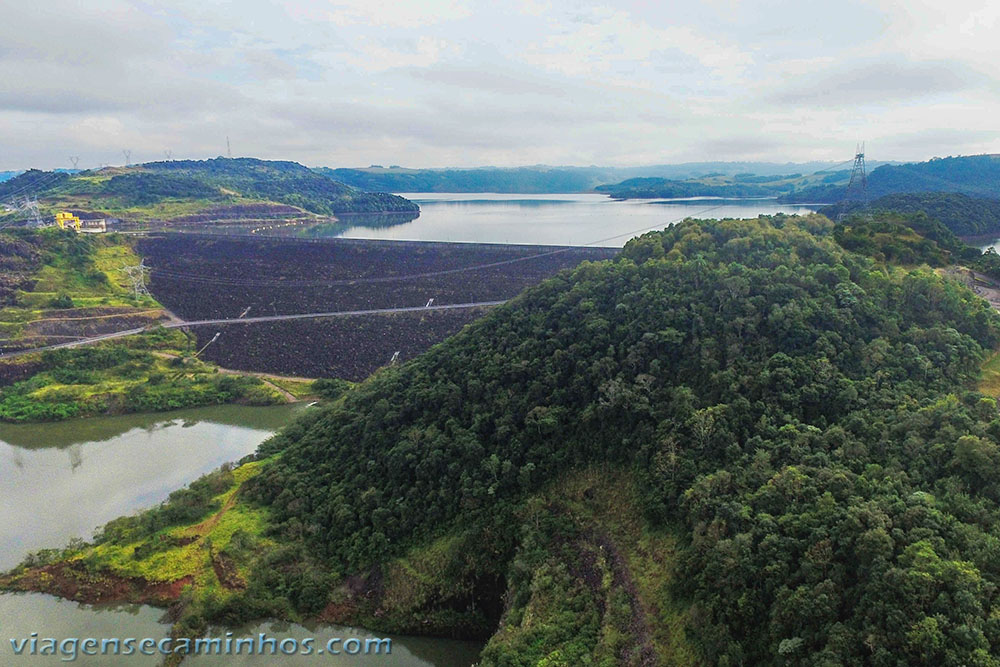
(541, 179)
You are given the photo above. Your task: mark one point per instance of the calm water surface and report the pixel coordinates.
(573, 219)
(60, 481)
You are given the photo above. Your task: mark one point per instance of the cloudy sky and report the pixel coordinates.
(464, 83)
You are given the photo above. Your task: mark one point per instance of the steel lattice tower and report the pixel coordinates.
(857, 188)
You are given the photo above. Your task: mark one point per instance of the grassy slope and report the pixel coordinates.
(146, 372)
(162, 191)
(628, 576)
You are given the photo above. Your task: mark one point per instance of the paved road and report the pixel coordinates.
(252, 320)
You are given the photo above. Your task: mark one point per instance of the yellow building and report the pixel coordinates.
(64, 218)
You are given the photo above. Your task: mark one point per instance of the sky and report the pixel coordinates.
(467, 83)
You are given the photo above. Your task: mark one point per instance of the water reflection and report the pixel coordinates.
(62, 480)
(24, 613)
(560, 219)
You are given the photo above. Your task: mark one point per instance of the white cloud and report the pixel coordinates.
(446, 82)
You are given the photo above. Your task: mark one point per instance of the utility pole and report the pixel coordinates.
(219, 333)
(214, 338)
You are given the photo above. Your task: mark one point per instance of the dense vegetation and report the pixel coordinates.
(909, 239)
(145, 188)
(800, 411)
(545, 179)
(974, 175)
(191, 190)
(655, 188)
(962, 214)
(284, 182)
(30, 183)
(736, 443)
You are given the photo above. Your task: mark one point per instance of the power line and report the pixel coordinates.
(36, 184)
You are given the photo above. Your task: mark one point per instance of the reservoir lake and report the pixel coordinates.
(62, 480)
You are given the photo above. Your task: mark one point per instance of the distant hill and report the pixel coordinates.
(962, 214)
(656, 188)
(974, 175)
(541, 179)
(193, 190)
(7, 175)
(727, 185)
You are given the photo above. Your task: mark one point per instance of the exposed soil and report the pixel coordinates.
(226, 572)
(73, 581)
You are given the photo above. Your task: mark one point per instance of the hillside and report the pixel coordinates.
(962, 214)
(544, 179)
(188, 191)
(974, 175)
(736, 443)
(57, 286)
(728, 185)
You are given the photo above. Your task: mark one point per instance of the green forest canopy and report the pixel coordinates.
(207, 181)
(802, 414)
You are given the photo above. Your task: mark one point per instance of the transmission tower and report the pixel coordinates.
(30, 206)
(168, 154)
(136, 275)
(857, 188)
(75, 159)
(229, 149)
(128, 156)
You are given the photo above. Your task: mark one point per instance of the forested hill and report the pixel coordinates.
(285, 182)
(962, 214)
(545, 179)
(801, 415)
(973, 175)
(185, 189)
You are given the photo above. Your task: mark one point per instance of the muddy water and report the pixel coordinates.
(60, 481)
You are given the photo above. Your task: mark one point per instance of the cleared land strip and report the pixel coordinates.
(251, 320)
